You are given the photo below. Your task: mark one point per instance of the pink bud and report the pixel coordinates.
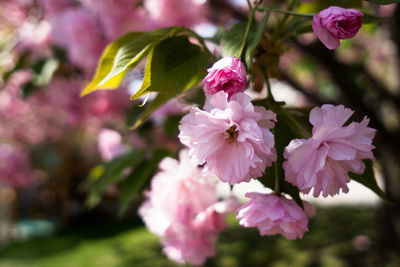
(335, 23)
(227, 74)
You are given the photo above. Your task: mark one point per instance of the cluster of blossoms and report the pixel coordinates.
(81, 29)
(232, 140)
(183, 208)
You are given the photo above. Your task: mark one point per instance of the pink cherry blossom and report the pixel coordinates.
(182, 208)
(118, 17)
(15, 169)
(336, 23)
(78, 32)
(167, 13)
(323, 161)
(231, 138)
(227, 74)
(273, 214)
(110, 144)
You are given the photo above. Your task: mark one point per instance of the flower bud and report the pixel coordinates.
(336, 23)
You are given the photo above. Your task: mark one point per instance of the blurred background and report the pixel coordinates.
(72, 174)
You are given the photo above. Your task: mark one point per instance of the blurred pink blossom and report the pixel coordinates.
(336, 23)
(55, 7)
(77, 31)
(110, 144)
(15, 169)
(167, 13)
(231, 138)
(323, 161)
(172, 107)
(182, 208)
(273, 214)
(227, 74)
(118, 17)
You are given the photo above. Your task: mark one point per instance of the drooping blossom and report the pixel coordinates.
(227, 74)
(323, 161)
(15, 168)
(336, 23)
(182, 207)
(231, 138)
(273, 214)
(110, 144)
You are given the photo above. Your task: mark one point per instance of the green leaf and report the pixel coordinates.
(139, 178)
(253, 43)
(150, 108)
(383, 2)
(368, 18)
(232, 40)
(122, 55)
(319, 5)
(368, 179)
(42, 73)
(174, 65)
(283, 135)
(111, 172)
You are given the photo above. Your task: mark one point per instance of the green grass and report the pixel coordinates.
(328, 243)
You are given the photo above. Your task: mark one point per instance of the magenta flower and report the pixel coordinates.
(183, 208)
(273, 214)
(336, 23)
(231, 138)
(323, 161)
(227, 74)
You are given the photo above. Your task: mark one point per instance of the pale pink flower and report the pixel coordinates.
(273, 214)
(177, 192)
(195, 240)
(336, 23)
(227, 74)
(323, 161)
(110, 144)
(231, 138)
(182, 208)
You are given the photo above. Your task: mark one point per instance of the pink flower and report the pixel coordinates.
(182, 208)
(273, 214)
(15, 169)
(118, 17)
(110, 144)
(55, 7)
(78, 32)
(231, 138)
(323, 161)
(227, 74)
(166, 13)
(335, 23)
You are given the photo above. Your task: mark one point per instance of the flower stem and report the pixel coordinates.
(287, 12)
(246, 33)
(303, 131)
